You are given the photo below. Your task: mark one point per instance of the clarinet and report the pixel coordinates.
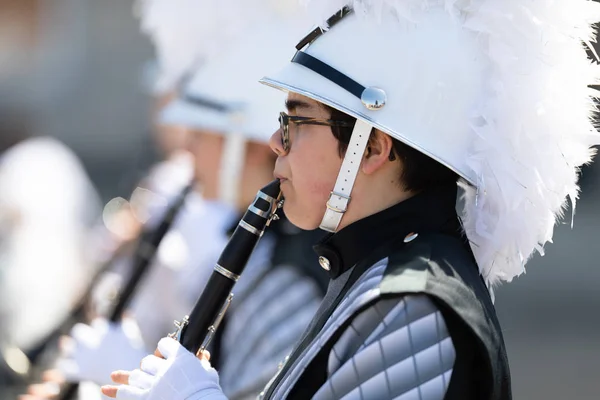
(144, 254)
(196, 330)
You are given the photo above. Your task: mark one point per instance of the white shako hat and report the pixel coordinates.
(182, 32)
(496, 90)
(224, 95)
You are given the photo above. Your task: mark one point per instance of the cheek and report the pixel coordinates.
(207, 154)
(313, 171)
(317, 179)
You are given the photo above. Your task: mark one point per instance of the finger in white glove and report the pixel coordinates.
(141, 379)
(153, 365)
(100, 348)
(128, 392)
(180, 376)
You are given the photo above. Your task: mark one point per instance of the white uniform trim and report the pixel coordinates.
(340, 196)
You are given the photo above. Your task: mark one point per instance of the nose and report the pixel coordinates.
(275, 143)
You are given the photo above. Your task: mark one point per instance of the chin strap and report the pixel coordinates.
(230, 172)
(340, 196)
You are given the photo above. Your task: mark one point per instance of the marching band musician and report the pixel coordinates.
(47, 207)
(391, 110)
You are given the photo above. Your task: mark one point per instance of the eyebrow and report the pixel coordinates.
(293, 105)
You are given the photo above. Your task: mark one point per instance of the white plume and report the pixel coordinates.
(183, 33)
(188, 32)
(532, 123)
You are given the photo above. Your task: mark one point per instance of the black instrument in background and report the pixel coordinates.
(144, 254)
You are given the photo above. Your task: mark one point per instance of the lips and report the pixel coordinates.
(280, 177)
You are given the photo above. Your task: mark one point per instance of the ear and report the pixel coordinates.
(377, 153)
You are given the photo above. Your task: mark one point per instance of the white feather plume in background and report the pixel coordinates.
(188, 32)
(182, 32)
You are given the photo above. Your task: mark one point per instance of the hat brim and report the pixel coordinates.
(298, 79)
(180, 113)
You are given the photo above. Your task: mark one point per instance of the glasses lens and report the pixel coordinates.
(285, 139)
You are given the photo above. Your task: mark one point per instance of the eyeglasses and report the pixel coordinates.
(284, 122)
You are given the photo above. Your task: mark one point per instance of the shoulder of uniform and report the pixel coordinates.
(419, 266)
(389, 314)
(394, 330)
(412, 266)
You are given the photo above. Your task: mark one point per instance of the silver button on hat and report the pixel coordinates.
(325, 264)
(373, 98)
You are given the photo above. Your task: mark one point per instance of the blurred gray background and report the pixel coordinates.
(77, 67)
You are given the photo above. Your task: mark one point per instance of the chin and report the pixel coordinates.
(298, 219)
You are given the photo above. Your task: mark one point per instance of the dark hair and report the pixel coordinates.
(419, 172)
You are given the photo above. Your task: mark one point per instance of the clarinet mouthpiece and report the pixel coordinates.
(272, 189)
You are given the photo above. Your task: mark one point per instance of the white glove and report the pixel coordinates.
(179, 376)
(101, 348)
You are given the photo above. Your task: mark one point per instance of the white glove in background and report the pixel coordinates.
(179, 376)
(98, 349)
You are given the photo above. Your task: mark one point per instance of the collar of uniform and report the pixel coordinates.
(430, 211)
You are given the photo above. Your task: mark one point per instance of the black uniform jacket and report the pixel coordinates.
(391, 273)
